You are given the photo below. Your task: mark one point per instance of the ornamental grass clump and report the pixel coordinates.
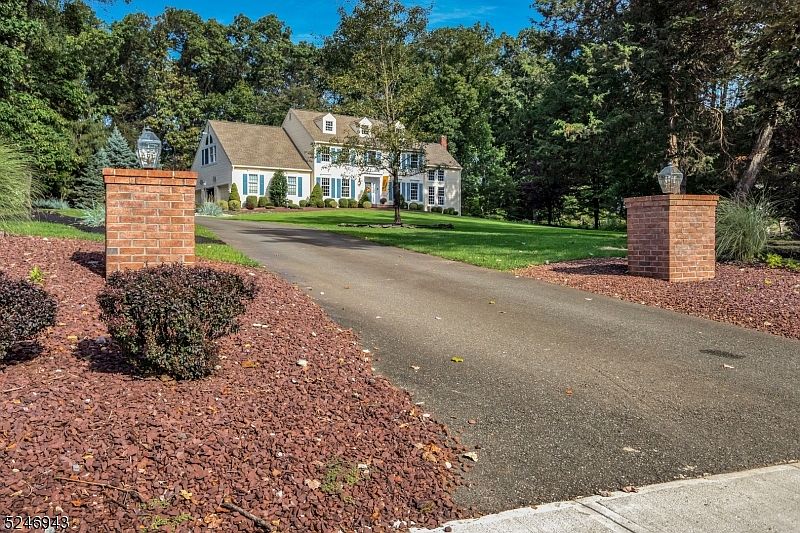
(209, 209)
(166, 318)
(25, 310)
(743, 228)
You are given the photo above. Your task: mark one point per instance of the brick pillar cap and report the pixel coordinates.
(673, 198)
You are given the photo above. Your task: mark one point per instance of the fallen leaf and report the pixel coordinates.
(491, 302)
(249, 364)
(472, 455)
(457, 359)
(414, 367)
(313, 484)
(77, 503)
(472, 421)
(185, 494)
(604, 493)
(629, 488)
(568, 392)
(72, 337)
(630, 450)
(726, 366)
(212, 520)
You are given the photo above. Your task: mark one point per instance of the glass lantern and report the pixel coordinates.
(670, 179)
(148, 149)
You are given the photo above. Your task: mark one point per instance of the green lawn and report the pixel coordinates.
(207, 244)
(488, 243)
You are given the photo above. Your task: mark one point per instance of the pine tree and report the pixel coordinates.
(278, 188)
(88, 188)
(119, 151)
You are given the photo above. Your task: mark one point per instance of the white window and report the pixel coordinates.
(326, 186)
(441, 174)
(413, 193)
(213, 154)
(413, 160)
(252, 184)
(373, 157)
(345, 188)
(440, 196)
(431, 175)
(431, 195)
(325, 154)
(291, 183)
(364, 130)
(329, 126)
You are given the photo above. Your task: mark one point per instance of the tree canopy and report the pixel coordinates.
(576, 112)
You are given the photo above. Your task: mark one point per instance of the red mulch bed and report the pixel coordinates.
(752, 296)
(319, 448)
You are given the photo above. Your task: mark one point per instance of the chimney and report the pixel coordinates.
(443, 141)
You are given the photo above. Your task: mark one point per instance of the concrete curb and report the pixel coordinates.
(763, 499)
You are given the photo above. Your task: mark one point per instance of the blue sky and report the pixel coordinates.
(312, 19)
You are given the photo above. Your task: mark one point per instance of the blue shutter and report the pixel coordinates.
(244, 184)
(319, 155)
(261, 185)
(300, 186)
(391, 190)
(319, 181)
(352, 189)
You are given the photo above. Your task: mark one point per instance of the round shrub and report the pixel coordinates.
(404, 205)
(344, 202)
(414, 206)
(223, 204)
(367, 204)
(330, 202)
(263, 201)
(166, 318)
(234, 205)
(251, 202)
(26, 310)
(293, 206)
(363, 198)
(454, 213)
(303, 203)
(320, 203)
(436, 209)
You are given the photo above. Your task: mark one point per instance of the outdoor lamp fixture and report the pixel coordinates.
(670, 179)
(148, 149)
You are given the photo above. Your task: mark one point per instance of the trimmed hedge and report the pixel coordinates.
(25, 310)
(330, 202)
(263, 201)
(223, 204)
(166, 318)
(436, 209)
(414, 206)
(251, 202)
(303, 203)
(234, 205)
(367, 204)
(344, 202)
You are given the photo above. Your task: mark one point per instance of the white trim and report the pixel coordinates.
(245, 167)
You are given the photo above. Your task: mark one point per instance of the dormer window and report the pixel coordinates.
(364, 127)
(329, 124)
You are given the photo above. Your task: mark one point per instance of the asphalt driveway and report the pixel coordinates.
(570, 392)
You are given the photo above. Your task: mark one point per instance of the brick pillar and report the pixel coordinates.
(149, 217)
(671, 236)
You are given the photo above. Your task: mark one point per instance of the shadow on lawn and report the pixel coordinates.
(92, 261)
(108, 361)
(21, 352)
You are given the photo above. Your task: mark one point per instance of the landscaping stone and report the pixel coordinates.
(752, 296)
(250, 435)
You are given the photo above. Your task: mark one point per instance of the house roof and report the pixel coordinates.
(437, 156)
(253, 145)
(435, 153)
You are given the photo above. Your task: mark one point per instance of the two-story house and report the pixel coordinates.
(308, 148)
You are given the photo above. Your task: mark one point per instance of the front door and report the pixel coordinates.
(373, 185)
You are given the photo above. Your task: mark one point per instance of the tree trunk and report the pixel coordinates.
(596, 209)
(396, 193)
(758, 154)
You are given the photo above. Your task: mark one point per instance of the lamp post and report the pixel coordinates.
(670, 179)
(148, 149)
